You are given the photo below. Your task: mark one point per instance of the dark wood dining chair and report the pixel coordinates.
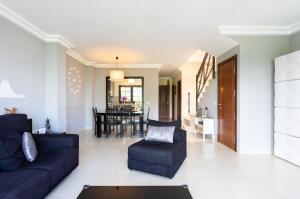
(147, 118)
(127, 118)
(97, 125)
(113, 120)
(136, 122)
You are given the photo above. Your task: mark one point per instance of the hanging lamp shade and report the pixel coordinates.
(116, 75)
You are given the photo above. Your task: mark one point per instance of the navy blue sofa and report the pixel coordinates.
(57, 157)
(163, 159)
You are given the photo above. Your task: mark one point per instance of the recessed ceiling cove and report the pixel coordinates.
(165, 32)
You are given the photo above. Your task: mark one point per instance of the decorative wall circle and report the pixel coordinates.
(74, 80)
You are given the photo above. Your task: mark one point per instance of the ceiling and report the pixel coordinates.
(165, 32)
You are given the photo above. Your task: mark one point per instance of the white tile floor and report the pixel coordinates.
(210, 171)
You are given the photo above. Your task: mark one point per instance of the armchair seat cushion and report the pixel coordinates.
(25, 184)
(154, 152)
(57, 163)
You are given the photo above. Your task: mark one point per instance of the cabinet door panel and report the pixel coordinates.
(287, 148)
(287, 121)
(287, 94)
(287, 67)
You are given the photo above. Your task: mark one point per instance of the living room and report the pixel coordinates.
(99, 103)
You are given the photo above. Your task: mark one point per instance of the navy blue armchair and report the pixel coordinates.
(163, 159)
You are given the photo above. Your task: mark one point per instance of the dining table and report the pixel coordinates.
(102, 121)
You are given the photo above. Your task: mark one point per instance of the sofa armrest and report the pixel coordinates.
(51, 142)
(183, 134)
(184, 140)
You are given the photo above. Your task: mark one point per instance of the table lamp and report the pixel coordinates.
(6, 91)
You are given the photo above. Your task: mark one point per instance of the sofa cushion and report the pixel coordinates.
(58, 163)
(11, 156)
(154, 152)
(25, 184)
(177, 124)
(160, 133)
(29, 147)
(13, 125)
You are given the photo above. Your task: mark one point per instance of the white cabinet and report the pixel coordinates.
(287, 108)
(287, 93)
(287, 121)
(287, 147)
(287, 67)
(207, 125)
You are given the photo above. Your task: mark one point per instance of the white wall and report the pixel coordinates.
(22, 58)
(188, 85)
(38, 70)
(255, 91)
(56, 96)
(295, 42)
(75, 101)
(79, 105)
(151, 82)
(89, 96)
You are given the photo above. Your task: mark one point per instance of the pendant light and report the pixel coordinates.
(116, 75)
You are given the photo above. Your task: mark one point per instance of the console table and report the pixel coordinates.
(135, 192)
(207, 125)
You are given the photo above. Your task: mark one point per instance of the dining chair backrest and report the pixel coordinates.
(148, 113)
(94, 113)
(127, 113)
(109, 113)
(112, 114)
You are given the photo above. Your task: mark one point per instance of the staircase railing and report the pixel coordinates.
(207, 69)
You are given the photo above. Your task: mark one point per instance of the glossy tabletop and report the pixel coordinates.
(135, 192)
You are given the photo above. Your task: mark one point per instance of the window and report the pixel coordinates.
(133, 94)
(125, 92)
(137, 94)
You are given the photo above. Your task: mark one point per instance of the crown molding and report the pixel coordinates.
(61, 40)
(158, 66)
(254, 30)
(79, 58)
(29, 27)
(259, 30)
(86, 62)
(295, 28)
(37, 32)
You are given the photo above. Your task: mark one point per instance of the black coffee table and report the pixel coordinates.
(135, 192)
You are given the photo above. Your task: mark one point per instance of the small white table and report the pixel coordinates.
(208, 126)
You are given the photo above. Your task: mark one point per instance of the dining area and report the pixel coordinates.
(123, 114)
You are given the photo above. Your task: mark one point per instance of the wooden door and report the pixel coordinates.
(173, 101)
(164, 93)
(179, 100)
(227, 102)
